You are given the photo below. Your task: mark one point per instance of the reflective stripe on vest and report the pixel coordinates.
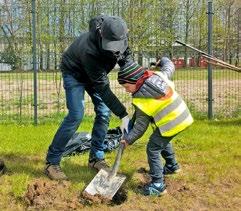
(170, 115)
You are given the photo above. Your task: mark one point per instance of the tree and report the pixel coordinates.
(198, 29)
(189, 8)
(10, 24)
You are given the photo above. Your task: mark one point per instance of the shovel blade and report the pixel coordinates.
(105, 184)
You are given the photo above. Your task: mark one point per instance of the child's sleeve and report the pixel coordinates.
(139, 128)
(167, 67)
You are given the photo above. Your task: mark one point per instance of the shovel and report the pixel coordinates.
(107, 182)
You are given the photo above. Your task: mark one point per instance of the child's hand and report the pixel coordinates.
(124, 142)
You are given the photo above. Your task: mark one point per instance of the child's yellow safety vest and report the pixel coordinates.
(170, 113)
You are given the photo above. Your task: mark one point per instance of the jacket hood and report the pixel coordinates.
(153, 87)
(94, 35)
(94, 26)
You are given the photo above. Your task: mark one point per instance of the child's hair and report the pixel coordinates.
(130, 73)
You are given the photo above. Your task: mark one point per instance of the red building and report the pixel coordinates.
(191, 62)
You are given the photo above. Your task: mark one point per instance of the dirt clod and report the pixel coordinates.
(142, 170)
(50, 194)
(88, 199)
(143, 176)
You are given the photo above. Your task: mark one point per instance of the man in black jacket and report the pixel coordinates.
(85, 65)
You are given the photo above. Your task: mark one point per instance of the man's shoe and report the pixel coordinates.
(54, 172)
(152, 190)
(2, 167)
(98, 164)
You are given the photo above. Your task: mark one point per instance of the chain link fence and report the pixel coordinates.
(153, 30)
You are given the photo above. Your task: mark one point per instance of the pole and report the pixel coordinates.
(210, 85)
(211, 59)
(238, 36)
(34, 62)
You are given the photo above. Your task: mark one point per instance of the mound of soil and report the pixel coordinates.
(47, 194)
(51, 194)
(88, 199)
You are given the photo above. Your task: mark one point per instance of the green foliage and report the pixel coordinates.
(9, 56)
(153, 25)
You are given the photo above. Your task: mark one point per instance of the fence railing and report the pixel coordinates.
(16, 94)
(57, 24)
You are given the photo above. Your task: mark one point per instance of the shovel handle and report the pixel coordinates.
(117, 159)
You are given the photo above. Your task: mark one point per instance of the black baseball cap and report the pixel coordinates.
(114, 34)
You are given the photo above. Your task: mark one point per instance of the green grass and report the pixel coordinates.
(209, 153)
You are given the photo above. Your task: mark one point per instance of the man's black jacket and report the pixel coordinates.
(89, 63)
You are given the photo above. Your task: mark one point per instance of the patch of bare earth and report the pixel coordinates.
(182, 195)
(42, 194)
(47, 194)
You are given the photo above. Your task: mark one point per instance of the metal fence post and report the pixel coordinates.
(238, 35)
(210, 85)
(34, 62)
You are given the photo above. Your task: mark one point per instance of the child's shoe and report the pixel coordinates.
(173, 170)
(154, 189)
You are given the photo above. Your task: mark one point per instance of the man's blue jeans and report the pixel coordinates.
(157, 147)
(74, 92)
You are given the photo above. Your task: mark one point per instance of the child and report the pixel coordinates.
(155, 101)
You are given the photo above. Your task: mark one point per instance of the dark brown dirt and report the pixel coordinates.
(119, 198)
(2, 167)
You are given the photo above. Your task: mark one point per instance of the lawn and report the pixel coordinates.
(209, 153)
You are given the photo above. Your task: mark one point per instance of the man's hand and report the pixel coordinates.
(124, 125)
(124, 142)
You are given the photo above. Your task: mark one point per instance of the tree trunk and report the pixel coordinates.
(187, 20)
(61, 27)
